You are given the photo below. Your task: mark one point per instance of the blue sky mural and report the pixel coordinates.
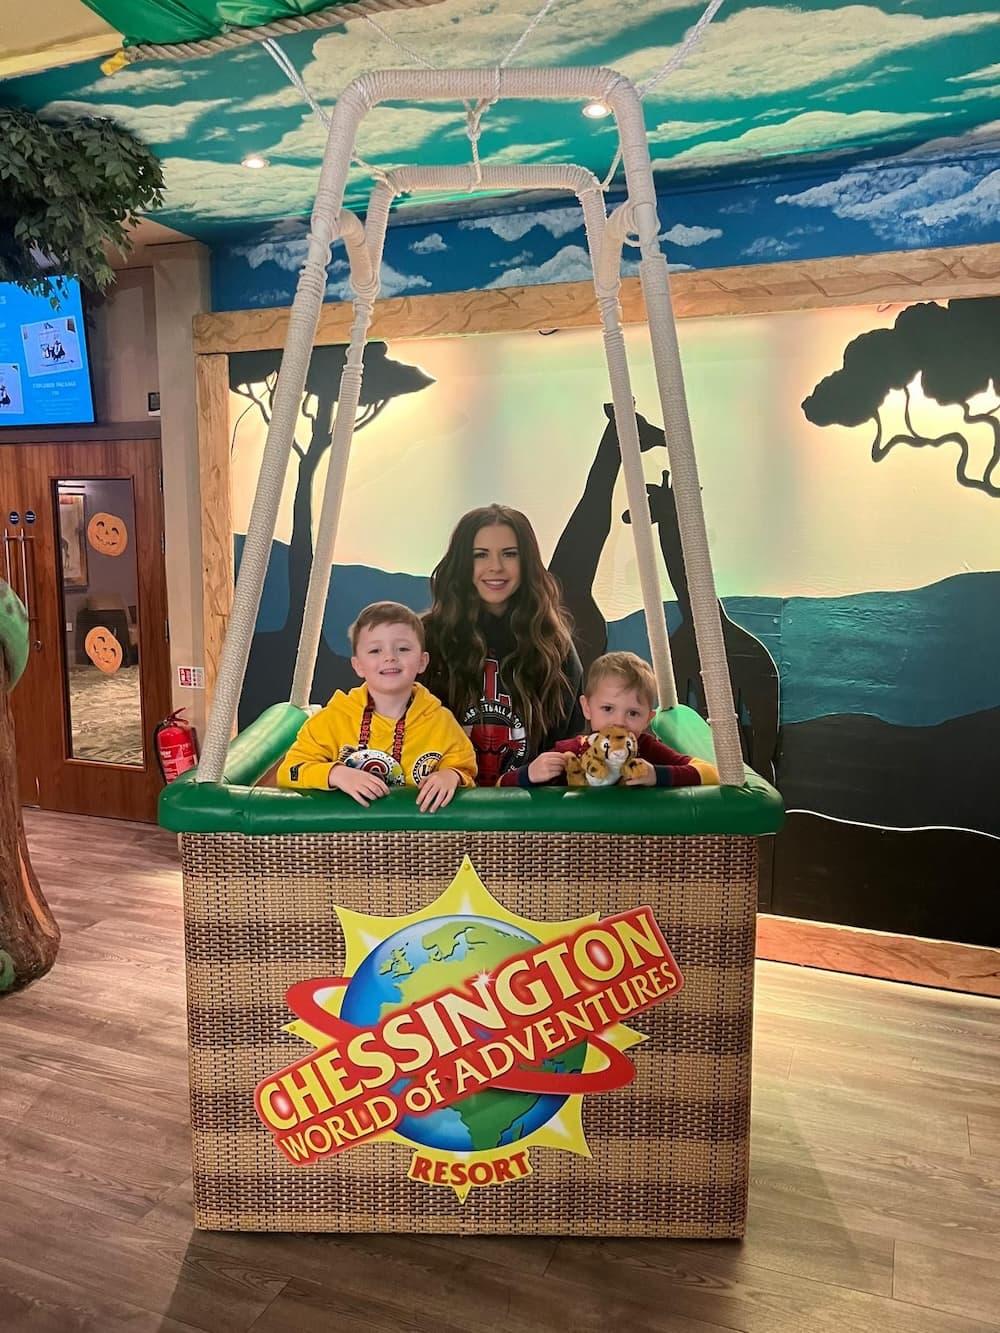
(945, 193)
(793, 129)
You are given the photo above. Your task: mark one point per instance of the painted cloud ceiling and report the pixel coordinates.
(768, 83)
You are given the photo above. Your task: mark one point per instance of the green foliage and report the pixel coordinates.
(67, 189)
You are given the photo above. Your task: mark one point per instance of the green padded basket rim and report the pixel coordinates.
(236, 806)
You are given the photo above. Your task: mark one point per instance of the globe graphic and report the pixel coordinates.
(422, 959)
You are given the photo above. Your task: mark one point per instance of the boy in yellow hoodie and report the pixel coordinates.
(390, 731)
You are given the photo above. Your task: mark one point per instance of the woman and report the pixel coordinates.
(502, 656)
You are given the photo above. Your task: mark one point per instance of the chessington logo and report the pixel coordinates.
(467, 1033)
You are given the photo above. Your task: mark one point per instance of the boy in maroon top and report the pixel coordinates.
(620, 692)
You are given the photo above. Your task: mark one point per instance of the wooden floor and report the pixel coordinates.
(876, 1163)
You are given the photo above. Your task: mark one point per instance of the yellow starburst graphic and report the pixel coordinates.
(466, 897)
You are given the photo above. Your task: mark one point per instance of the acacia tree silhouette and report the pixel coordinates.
(953, 348)
(254, 375)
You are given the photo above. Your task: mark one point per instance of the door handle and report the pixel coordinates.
(7, 538)
(27, 584)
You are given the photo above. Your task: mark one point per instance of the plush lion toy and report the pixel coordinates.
(610, 759)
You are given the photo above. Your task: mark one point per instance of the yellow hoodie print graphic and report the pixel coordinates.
(432, 740)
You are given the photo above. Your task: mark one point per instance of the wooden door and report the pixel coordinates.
(83, 544)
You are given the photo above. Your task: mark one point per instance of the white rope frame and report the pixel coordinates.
(638, 215)
(607, 281)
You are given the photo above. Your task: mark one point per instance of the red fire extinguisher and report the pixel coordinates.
(176, 746)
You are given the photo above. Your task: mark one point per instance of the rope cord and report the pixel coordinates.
(299, 84)
(691, 39)
(406, 50)
(527, 33)
(473, 113)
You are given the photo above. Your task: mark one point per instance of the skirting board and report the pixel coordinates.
(872, 953)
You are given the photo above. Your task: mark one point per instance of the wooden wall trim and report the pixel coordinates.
(100, 433)
(750, 289)
(871, 953)
(212, 403)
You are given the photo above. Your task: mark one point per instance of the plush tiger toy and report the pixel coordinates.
(610, 760)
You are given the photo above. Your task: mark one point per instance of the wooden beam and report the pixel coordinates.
(750, 289)
(871, 953)
(212, 398)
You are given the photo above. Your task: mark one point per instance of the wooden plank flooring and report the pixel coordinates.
(875, 1201)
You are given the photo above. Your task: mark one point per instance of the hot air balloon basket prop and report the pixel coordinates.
(471, 1032)
(531, 1011)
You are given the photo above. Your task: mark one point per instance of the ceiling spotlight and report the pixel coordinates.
(254, 161)
(595, 110)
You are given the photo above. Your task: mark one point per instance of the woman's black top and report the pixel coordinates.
(494, 724)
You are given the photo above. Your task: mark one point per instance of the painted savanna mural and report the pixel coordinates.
(855, 597)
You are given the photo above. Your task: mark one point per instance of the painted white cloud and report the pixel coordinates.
(429, 244)
(558, 222)
(872, 195)
(674, 131)
(971, 94)
(768, 50)
(389, 131)
(988, 74)
(984, 138)
(289, 254)
(980, 204)
(768, 247)
(812, 130)
(393, 283)
(521, 257)
(142, 79)
(910, 194)
(227, 190)
(570, 264)
(153, 124)
(679, 234)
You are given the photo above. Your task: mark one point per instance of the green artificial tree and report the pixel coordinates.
(29, 936)
(68, 189)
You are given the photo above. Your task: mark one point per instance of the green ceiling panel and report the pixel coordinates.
(162, 22)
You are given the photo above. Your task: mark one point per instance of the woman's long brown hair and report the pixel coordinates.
(533, 672)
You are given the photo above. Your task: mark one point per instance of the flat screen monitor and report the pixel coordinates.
(44, 368)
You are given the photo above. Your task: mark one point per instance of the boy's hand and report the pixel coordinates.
(355, 782)
(647, 778)
(547, 766)
(437, 789)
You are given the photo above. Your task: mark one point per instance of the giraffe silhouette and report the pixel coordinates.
(578, 551)
(752, 670)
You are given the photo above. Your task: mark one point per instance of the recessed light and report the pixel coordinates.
(595, 110)
(254, 161)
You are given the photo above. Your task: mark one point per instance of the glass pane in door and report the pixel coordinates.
(100, 615)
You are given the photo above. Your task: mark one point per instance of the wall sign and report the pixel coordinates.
(467, 1034)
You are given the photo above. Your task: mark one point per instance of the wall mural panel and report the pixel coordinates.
(849, 460)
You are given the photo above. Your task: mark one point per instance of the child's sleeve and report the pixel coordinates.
(674, 769)
(518, 777)
(311, 755)
(457, 751)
